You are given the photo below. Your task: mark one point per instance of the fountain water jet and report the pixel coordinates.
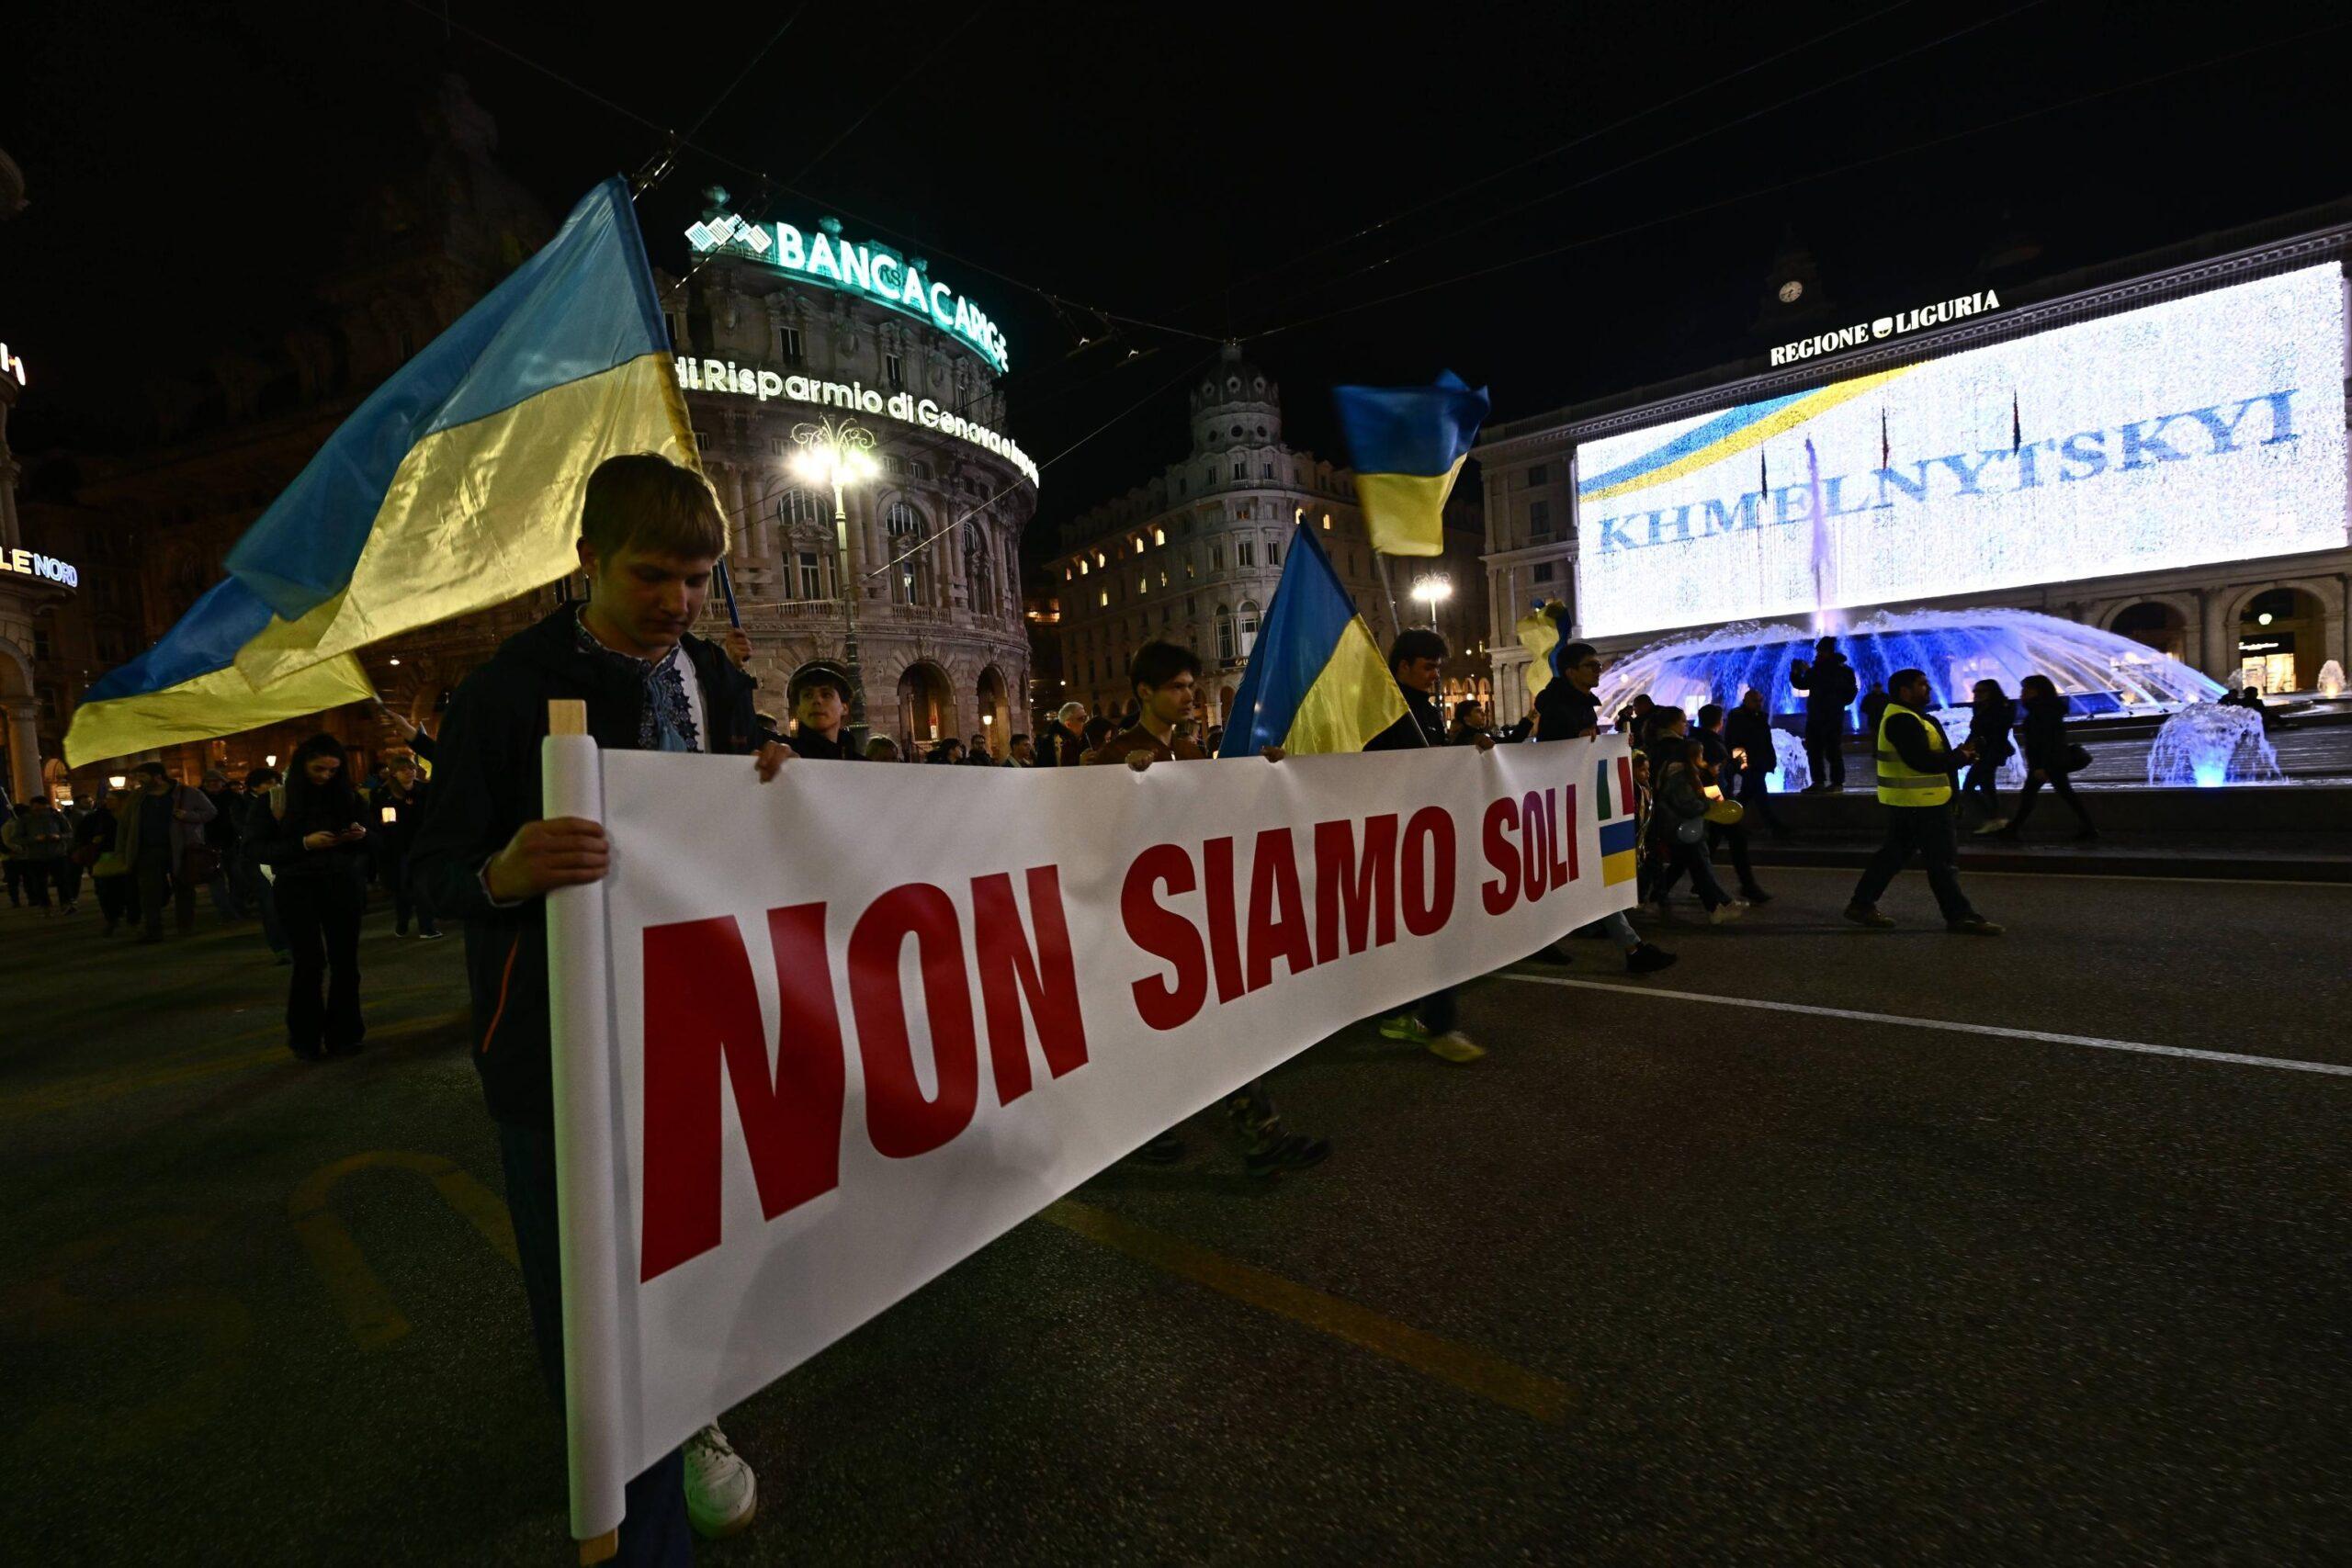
(2210, 745)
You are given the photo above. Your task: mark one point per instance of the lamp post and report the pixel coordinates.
(839, 456)
(1432, 591)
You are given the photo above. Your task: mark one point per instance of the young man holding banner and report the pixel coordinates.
(1166, 680)
(650, 534)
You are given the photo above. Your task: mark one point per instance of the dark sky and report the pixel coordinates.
(192, 166)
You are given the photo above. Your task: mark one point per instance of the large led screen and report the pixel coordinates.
(2200, 429)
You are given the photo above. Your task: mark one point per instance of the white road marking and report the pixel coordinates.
(2105, 877)
(2232, 1058)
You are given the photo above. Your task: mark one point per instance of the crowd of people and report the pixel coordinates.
(296, 854)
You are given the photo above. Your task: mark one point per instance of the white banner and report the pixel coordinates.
(818, 1040)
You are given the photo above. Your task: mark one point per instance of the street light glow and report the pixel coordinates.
(1433, 588)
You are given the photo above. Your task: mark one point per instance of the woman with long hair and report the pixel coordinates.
(1991, 716)
(2044, 733)
(314, 836)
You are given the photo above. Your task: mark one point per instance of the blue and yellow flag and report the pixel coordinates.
(1316, 680)
(1408, 445)
(455, 486)
(1538, 633)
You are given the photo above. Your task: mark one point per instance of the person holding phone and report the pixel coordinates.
(314, 835)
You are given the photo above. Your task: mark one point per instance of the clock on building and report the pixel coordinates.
(1791, 291)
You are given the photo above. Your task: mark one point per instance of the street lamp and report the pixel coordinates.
(1433, 590)
(839, 456)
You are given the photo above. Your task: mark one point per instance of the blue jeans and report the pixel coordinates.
(654, 1529)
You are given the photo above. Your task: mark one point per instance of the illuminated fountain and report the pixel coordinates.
(2331, 680)
(2101, 672)
(2209, 745)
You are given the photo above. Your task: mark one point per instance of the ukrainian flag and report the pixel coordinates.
(1538, 633)
(1408, 444)
(1620, 840)
(455, 486)
(1316, 681)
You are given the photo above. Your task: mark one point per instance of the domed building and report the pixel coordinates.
(1195, 554)
(795, 342)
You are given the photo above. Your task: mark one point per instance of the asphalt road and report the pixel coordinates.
(1659, 1281)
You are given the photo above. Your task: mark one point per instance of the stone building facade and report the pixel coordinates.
(1193, 556)
(768, 355)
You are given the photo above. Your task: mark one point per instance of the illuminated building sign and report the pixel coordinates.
(2193, 431)
(870, 271)
(29, 563)
(12, 364)
(1897, 325)
(743, 382)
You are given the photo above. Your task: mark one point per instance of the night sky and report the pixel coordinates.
(191, 167)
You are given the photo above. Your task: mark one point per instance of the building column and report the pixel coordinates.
(24, 749)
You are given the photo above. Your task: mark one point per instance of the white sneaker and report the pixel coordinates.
(1726, 913)
(721, 1492)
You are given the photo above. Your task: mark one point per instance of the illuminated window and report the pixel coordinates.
(1327, 522)
(1159, 535)
(1082, 566)
(1066, 574)
(1138, 544)
(1143, 585)
(1101, 559)
(1104, 600)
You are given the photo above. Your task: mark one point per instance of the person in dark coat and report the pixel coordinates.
(252, 821)
(1565, 708)
(1829, 687)
(2045, 734)
(314, 836)
(1755, 750)
(820, 700)
(400, 803)
(1732, 836)
(171, 825)
(1991, 716)
(650, 534)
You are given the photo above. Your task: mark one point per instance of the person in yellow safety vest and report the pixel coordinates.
(1916, 765)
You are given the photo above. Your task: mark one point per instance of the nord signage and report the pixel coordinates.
(869, 270)
(29, 563)
(1862, 333)
(744, 381)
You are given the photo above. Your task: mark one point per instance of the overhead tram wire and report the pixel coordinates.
(1792, 184)
(1547, 154)
(1189, 368)
(690, 144)
(1656, 152)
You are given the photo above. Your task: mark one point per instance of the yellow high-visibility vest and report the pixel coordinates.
(1899, 783)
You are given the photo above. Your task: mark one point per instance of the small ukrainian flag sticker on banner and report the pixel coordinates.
(1620, 829)
(1408, 445)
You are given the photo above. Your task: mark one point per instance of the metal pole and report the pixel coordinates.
(849, 610)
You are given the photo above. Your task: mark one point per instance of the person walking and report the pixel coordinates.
(650, 535)
(39, 839)
(1873, 707)
(219, 841)
(1565, 708)
(109, 872)
(254, 819)
(1166, 680)
(1991, 716)
(1684, 775)
(1916, 765)
(164, 841)
(1061, 743)
(1732, 836)
(2048, 756)
(1755, 754)
(398, 805)
(1415, 659)
(314, 836)
(1828, 685)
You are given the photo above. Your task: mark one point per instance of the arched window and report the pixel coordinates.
(911, 580)
(1224, 634)
(1248, 625)
(798, 507)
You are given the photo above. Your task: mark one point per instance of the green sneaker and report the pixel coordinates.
(1406, 1027)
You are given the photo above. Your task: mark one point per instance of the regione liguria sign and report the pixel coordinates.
(798, 1079)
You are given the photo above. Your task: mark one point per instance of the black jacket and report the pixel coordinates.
(1057, 747)
(1989, 723)
(1421, 710)
(1565, 710)
(1752, 733)
(276, 841)
(2045, 734)
(1829, 687)
(840, 749)
(486, 785)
